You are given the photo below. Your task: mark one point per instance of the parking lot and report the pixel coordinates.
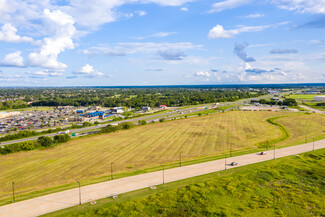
(35, 120)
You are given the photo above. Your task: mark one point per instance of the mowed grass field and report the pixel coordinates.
(303, 96)
(302, 128)
(143, 147)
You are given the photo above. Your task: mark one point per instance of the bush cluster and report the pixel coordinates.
(17, 147)
(42, 141)
(122, 126)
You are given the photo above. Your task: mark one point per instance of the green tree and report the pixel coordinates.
(45, 141)
(142, 122)
(61, 138)
(126, 125)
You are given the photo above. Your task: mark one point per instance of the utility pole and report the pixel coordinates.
(79, 193)
(163, 174)
(112, 163)
(231, 150)
(180, 158)
(13, 191)
(225, 161)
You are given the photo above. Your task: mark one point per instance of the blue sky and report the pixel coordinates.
(161, 42)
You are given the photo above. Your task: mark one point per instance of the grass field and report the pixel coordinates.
(303, 128)
(144, 147)
(290, 186)
(43, 108)
(302, 96)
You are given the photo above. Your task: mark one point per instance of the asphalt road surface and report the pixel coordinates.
(312, 109)
(53, 202)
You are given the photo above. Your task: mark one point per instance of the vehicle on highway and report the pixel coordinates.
(263, 153)
(234, 163)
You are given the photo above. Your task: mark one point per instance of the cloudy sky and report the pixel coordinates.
(161, 42)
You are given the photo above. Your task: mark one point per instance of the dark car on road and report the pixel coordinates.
(234, 163)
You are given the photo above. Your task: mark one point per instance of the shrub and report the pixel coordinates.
(108, 129)
(126, 125)
(162, 120)
(142, 122)
(61, 138)
(45, 141)
(26, 146)
(86, 124)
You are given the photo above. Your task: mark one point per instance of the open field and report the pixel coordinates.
(143, 147)
(303, 96)
(303, 128)
(290, 186)
(43, 108)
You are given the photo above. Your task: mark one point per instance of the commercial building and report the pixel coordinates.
(117, 110)
(319, 98)
(94, 114)
(145, 109)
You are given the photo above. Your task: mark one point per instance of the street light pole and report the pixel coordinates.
(79, 193)
(180, 158)
(13, 191)
(231, 150)
(225, 161)
(112, 163)
(163, 174)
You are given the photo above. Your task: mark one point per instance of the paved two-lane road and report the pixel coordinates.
(311, 109)
(64, 199)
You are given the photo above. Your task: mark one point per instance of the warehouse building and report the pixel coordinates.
(94, 114)
(319, 98)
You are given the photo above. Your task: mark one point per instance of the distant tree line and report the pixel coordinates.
(11, 104)
(287, 102)
(153, 97)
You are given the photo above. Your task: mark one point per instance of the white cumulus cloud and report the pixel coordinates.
(88, 71)
(64, 30)
(8, 33)
(13, 60)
